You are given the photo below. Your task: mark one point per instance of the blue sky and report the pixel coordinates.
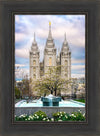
(72, 25)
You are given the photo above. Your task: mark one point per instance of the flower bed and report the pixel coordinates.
(58, 116)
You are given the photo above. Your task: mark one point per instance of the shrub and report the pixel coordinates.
(22, 117)
(39, 116)
(77, 116)
(61, 116)
(58, 116)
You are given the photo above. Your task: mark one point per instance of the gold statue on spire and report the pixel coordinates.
(49, 23)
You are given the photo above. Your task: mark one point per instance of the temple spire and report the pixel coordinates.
(34, 37)
(50, 35)
(34, 42)
(65, 41)
(65, 36)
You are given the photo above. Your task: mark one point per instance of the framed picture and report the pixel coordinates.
(50, 77)
(49, 59)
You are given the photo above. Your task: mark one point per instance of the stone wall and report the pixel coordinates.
(47, 110)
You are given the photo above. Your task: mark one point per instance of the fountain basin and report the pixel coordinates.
(50, 100)
(68, 106)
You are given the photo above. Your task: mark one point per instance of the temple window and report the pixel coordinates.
(34, 76)
(50, 61)
(66, 62)
(34, 62)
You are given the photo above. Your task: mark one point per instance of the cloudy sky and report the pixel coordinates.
(72, 25)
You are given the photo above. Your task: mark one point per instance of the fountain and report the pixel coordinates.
(49, 105)
(50, 100)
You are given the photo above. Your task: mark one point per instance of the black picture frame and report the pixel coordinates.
(13, 64)
(92, 125)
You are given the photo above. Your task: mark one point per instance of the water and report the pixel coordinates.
(38, 103)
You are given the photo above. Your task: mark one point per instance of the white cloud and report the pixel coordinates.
(77, 75)
(74, 30)
(19, 37)
(23, 53)
(77, 67)
(21, 73)
(19, 65)
(23, 50)
(74, 61)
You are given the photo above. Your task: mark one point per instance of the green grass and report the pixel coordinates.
(80, 100)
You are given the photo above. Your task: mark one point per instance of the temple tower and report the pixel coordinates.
(65, 60)
(49, 52)
(34, 56)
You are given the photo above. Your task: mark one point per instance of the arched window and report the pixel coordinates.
(34, 62)
(34, 76)
(50, 61)
(66, 62)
